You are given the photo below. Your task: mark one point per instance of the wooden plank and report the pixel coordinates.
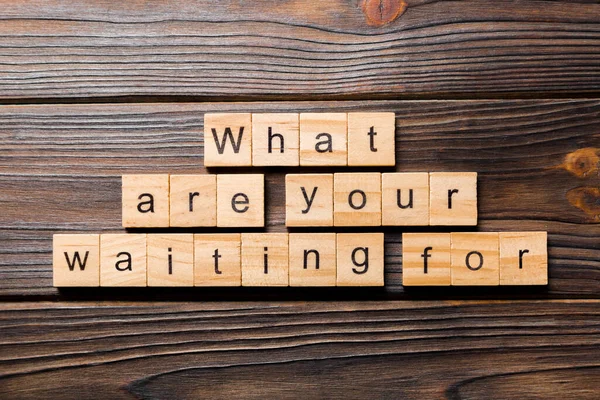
(537, 164)
(293, 50)
(257, 350)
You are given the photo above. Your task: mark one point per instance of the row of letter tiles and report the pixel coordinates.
(224, 200)
(246, 259)
(373, 199)
(315, 139)
(474, 259)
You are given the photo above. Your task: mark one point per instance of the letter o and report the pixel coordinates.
(351, 201)
(468, 263)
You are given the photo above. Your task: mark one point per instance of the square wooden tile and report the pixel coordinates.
(218, 259)
(228, 139)
(275, 139)
(312, 259)
(193, 200)
(371, 138)
(453, 198)
(240, 200)
(357, 199)
(75, 260)
(523, 258)
(323, 139)
(170, 259)
(475, 259)
(426, 259)
(145, 201)
(123, 259)
(360, 259)
(265, 259)
(405, 199)
(309, 200)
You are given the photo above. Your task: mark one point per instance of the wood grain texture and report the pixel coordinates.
(258, 350)
(270, 48)
(61, 167)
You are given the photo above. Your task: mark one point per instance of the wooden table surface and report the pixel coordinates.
(92, 90)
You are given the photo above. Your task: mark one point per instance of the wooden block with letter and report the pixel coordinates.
(453, 198)
(275, 139)
(217, 259)
(240, 200)
(123, 260)
(265, 259)
(312, 259)
(523, 258)
(76, 260)
(309, 200)
(405, 198)
(475, 259)
(426, 259)
(193, 200)
(359, 259)
(323, 139)
(228, 139)
(371, 138)
(170, 259)
(145, 201)
(357, 199)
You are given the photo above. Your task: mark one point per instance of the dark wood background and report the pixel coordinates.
(93, 90)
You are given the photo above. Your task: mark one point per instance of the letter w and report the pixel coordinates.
(228, 134)
(77, 259)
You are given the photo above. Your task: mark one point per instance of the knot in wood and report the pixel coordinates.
(382, 12)
(587, 199)
(583, 162)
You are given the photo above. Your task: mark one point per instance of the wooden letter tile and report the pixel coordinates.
(357, 199)
(453, 198)
(312, 259)
(193, 200)
(309, 200)
(228, 140)
(240, 200)
(323, 138)
(371, 138)
(170, 259)
(475, 259)
(360, 259)
(145, 201)
(275, 139)
(265, 259)
(76, 260)
(426, 259)
(123, 260)
(523, 258)
(405, 199)
(217, 260)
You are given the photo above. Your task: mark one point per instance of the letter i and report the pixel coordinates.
(266, 260)
(170, 262)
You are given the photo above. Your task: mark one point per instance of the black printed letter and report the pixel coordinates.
(317, 258)
(328, 142)
(399, 199)
(364, 264)
(127, 260)
(468, 262)
(192, 195)
(372, 134)
(149, 202)
(235, 202)
(521, 252)
(275, 135)
(228, 134)
(76, 259)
